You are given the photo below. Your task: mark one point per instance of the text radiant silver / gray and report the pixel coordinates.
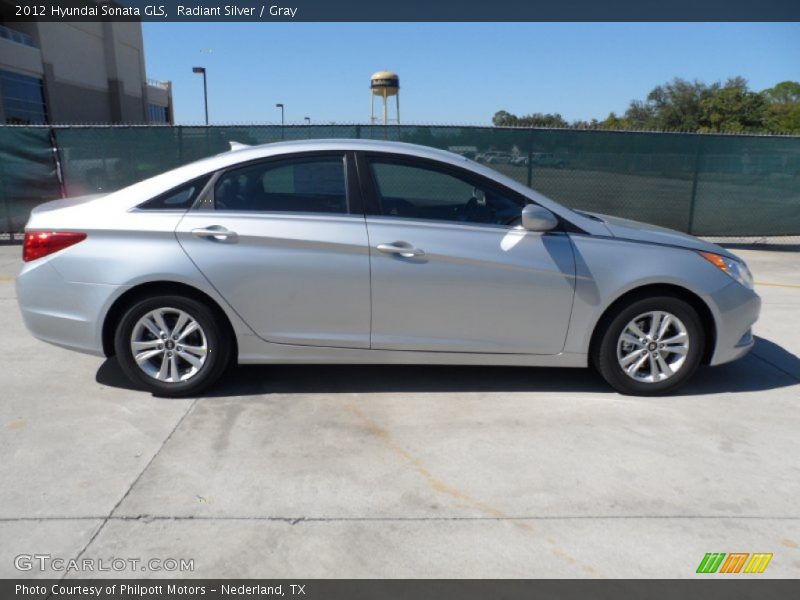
(344, 251)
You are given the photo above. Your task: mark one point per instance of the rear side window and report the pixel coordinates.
(179, 198)
(303, 184)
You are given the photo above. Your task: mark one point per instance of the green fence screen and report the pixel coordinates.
(714, 185)
(27, 174)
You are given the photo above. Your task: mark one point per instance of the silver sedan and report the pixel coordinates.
(352, 251)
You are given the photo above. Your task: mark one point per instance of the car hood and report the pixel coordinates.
(642, 232)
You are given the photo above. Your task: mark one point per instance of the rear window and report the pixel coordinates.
(179, 198)
(297, 184)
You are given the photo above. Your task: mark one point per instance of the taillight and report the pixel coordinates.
(41, 243)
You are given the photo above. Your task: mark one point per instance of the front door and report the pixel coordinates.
(450, 270)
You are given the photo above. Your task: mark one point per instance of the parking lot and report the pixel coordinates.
(403, 471)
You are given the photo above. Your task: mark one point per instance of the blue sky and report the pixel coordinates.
(459, 73)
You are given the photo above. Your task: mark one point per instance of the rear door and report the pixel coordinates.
(284, 241)
(452, 272)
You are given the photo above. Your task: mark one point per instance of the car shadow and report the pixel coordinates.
(769, 366)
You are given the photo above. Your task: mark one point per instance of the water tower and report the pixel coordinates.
(384, 84)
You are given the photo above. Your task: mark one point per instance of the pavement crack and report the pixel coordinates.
(110, 515)
(298, 520)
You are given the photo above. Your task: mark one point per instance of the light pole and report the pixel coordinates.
(205, 87)
(279, 105)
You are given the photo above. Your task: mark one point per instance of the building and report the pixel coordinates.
(77, 73)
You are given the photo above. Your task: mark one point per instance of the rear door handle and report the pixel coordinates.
(217, 232)
(403, 249)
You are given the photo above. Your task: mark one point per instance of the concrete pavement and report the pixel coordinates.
(354, 471)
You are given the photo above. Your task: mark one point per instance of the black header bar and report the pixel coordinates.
(400, 10)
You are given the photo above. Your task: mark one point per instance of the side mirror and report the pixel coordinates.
(537, 218)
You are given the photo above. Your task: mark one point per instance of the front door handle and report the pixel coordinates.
(403, 249)
(217, 232)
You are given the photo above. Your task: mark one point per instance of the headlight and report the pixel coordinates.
(735, 268)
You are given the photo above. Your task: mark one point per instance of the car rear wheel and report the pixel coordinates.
(650, 346)
(172, 345)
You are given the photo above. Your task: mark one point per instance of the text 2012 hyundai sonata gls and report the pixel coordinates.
(357, 251)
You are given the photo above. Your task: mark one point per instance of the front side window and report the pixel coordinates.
(310, 184)
(421, 192)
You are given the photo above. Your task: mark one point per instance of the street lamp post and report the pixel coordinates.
(205, 87)
(279, 105)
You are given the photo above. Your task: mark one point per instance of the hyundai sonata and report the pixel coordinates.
(353, 251)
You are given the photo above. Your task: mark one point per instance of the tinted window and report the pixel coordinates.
(181, 197)
(290, 185)
(420, 192)
(23, 99)
(157, 113)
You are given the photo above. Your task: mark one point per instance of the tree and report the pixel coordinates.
(784, 118)
(638, 115)
(676, 105)
(786, 92)
(783, 107)
(505, 119)
(697, 106)
(692, 106)
(733, 108)
(612, 121)
(543, 120)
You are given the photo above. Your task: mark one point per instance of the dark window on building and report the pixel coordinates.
(179, 198)
(23, 99)
(292, 185)
(158, 114)
(16, 36)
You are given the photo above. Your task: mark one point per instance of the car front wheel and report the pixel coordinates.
(650, 346)
(172, 345)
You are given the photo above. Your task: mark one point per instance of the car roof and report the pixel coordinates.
(344, 144)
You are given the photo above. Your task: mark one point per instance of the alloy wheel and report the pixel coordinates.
(169, 345)
(653, 347)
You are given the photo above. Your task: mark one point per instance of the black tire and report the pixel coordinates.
(217, 338)
(604, 352)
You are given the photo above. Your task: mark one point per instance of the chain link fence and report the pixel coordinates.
(710, 185)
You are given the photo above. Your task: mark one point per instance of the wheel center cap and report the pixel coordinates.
(170, 344)
(652, 346)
